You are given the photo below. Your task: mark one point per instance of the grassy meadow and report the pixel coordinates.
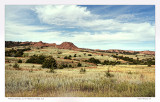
(86, 80)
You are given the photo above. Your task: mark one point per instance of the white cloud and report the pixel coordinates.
(21, 32)
(62, 14)
(97, 31)
(76, 16)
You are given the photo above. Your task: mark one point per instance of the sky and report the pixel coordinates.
(125, 27)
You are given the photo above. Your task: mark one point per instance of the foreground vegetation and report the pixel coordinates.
(51, 72)
(127, 81)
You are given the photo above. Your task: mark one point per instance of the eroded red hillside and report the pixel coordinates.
(67, 45)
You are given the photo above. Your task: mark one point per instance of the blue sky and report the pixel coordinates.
(127, 27)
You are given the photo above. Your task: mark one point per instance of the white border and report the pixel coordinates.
(79, 2)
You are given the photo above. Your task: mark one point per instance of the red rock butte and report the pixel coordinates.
(64, 45)
(67, 45)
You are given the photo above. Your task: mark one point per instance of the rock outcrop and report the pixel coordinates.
(67, 45)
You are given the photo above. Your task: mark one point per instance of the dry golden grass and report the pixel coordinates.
(128, 81)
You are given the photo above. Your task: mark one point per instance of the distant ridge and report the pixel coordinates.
(71, 46)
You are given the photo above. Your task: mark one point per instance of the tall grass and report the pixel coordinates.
(40, 83)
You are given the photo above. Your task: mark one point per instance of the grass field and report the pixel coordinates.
(31, 80)
(128, 81)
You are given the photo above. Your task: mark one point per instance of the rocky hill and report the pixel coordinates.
(71, 46)
(147, 52)
(67, 45)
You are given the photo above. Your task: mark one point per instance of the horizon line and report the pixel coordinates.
(85, 48)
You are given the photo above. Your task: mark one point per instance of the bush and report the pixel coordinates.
(79, 65)
(82, 70)
(149, 65)
(69, 57)
(65, 57)
(129, 72)
(52, 69)
(49, 62)
(64, 65)
(36, 59)
(60, 67)
(33, 66)
(16, 66)
(70, 66)
(75, 55)
(10, 65)
(107, 62)
(108, 74)
(19, 61)
(59, 52)
(89, 54)
(93, 60)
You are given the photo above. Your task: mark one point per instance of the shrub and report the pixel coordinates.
(19, 61)
(70, 66)
(52, 69)
(10, 65)
(69, 57)
(93, 60)
(79, 65)
(75, 55)
(65, 57)
(64, 65)
(149, 65)
(82, 70)
(89, 54)
(108, 74)
(49, 62)
(33, 66)
(59, 52)
(113, 63)
(60, 66)
(16, 66)
(129, 72)
(36, 59)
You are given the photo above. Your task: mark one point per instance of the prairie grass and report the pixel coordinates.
(71, 83)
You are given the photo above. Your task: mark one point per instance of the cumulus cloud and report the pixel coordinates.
(19, 32)
(62, 14)
(72, 15)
